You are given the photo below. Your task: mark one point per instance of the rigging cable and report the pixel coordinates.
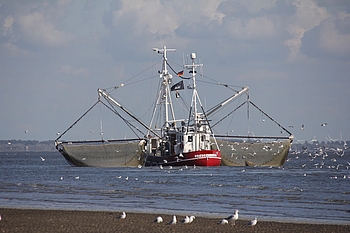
(248, 122)
(180, 76)
(131, 126)
(101, 128)
(228, 115)
(78, 119)
(115, 87)
(271, 118)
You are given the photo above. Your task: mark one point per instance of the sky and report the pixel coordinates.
(293, 54)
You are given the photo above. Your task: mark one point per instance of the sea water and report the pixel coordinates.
(310, 187)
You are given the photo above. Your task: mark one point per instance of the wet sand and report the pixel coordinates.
(31, 220)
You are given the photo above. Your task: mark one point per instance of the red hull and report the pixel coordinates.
(196, 158)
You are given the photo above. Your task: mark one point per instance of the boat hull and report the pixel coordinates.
(196, 158)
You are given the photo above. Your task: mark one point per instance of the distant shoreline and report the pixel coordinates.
(27, 145)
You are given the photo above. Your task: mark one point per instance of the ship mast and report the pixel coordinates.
(164, 97)
(192, 67)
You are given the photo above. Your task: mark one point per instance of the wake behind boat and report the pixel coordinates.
(168, 140)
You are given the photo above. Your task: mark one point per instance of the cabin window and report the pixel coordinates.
(203, 138)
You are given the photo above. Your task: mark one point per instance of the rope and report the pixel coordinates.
(131, 126)
(271, 118)
(228, 114)
(175, 71)
(78, 119)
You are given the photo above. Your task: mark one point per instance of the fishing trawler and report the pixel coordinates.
(170, 140)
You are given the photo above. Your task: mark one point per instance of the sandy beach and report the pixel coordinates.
(31, 220)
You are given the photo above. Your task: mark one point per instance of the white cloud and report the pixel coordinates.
(41, 31)
(8, 24)
(13, 51)
(332, 41)
(164, 17)
(67, 69)
(255, 6)
(253, 28)
(308, 15)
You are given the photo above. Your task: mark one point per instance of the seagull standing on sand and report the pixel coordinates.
(233, 218)
(253, 222)
(158, 219)
(173, 221)
(223, 222)
(186, 220)
(123, 216)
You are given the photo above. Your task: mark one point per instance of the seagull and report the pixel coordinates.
(173, 221)
(42, 159)
(158, 219)
(233, 218)
(186, 220)
(123, 216)
(223, 222)
(192, 218)
(324, 124)
(302, 127)
(26, 131)
(253, 222)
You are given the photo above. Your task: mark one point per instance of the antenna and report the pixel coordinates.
(183, 60)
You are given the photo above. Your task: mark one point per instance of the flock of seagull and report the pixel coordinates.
(189, 219)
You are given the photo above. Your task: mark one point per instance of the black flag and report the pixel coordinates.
(178, 86)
